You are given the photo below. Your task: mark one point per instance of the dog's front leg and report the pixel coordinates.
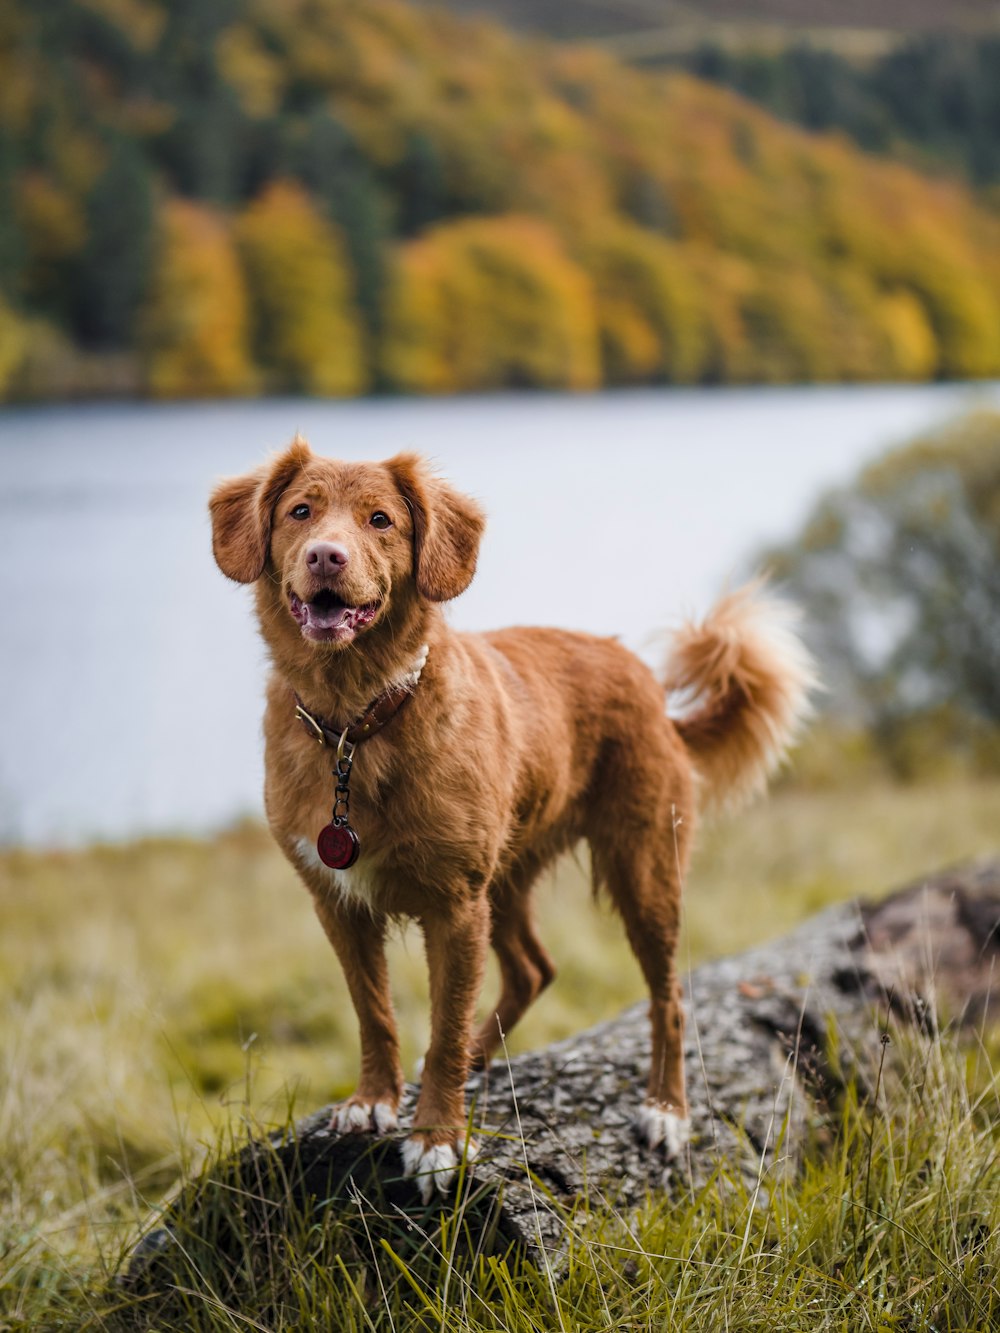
(457, 939)
(359, 940)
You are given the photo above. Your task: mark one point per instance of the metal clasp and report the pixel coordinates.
(345, 750)
(317, 731)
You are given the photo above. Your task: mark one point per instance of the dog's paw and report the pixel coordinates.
(359, 1117)
(433, 1166)
(656, 1125)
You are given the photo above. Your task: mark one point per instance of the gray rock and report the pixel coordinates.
(555, 1125)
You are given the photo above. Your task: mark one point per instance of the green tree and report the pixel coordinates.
(931, 96)
(419, 185)
(114, 265)
(53, 227)
(327, 159)
(205, 147)
(11, 239)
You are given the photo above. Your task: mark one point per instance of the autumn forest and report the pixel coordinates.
(213, 197)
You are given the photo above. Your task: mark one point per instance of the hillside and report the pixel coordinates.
(913, 79)
(680, 24)
(331, 196)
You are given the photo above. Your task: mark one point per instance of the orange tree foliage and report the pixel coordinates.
(490, 303)
(306, 330)
(194, 324)
(508, 211)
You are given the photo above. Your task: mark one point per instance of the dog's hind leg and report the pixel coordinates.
(642, 875)
(525, 970)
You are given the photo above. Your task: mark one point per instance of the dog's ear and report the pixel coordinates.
(447, 528)
(242, 509)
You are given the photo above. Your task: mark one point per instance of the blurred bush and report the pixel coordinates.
(329, 195)
(899, 575)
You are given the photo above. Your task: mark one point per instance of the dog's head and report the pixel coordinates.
(341, 549)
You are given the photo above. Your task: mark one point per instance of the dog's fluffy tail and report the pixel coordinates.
(741, 680)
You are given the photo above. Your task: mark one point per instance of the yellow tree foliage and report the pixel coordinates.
(919, 241)
(12, 345)
(780, 255)
(875, 334)
(912, 348)
(306, 328)
(789, 324)
(194, 323)
(490, 303)
(650, 307)
(725, 281)
(248, 68)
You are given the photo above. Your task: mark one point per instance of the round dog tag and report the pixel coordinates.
(338, 846)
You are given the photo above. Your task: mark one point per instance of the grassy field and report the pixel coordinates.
(160, 995)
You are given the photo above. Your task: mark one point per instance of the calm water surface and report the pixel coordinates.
(131, 672)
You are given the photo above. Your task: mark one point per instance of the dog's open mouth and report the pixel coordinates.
(327, 618)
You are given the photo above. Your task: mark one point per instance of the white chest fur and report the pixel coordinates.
(360, 884)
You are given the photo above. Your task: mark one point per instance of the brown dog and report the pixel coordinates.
(479, 758)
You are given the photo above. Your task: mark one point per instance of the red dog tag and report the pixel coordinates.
(338, 846)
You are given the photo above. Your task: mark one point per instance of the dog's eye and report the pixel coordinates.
(300, 511)
(380, 520)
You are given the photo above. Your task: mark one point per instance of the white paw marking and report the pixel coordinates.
(384, 1118)
(362, 1118)
(656, 1125)
(418, 1069)
(435, 1167)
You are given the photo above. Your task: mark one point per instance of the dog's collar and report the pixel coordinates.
(378, 714)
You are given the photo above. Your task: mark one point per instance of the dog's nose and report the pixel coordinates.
(325, 558)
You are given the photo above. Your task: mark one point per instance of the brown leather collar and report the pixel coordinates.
(378, 714)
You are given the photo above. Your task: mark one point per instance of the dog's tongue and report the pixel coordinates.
(329, 619)
(333, 617)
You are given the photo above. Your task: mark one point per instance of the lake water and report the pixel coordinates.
(131, 672)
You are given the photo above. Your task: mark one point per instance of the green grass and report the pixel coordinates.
(162, 996)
